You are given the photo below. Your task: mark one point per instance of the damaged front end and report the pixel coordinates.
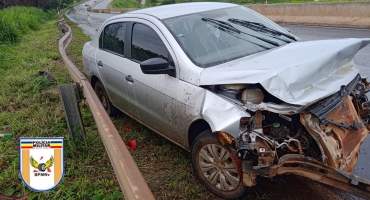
(321, 142)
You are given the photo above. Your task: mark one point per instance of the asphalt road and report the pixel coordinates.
(102, 5)
(79, 15)
(362, 58)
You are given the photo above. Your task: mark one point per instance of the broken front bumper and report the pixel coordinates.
(339, 125)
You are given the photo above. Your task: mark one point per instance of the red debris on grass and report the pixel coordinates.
(127, 128)
(131, 144)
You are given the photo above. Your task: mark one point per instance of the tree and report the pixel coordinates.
(43, 4)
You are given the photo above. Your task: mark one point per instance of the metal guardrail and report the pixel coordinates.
(132, 182)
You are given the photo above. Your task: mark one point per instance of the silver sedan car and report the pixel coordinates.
(243, 95)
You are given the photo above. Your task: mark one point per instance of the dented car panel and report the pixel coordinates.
(339, 131)
(221, 114)
(317, 70)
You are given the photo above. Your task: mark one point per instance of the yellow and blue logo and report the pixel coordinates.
(41, 162)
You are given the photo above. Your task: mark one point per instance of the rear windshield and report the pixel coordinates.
(208, 42)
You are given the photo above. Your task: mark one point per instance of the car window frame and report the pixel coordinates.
(130, 21)
(151, 22)
(131, 36)
(102, 33)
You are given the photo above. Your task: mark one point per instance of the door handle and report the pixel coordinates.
(100, 63)
(129, 78)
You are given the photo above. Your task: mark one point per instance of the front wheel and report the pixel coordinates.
(213, 166)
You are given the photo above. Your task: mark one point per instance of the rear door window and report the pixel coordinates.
(113, 38)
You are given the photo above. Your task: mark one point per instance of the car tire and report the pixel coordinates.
(104, 100)
(222, 170)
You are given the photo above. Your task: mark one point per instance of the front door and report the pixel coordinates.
(154, 93)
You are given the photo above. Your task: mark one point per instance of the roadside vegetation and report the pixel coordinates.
(17, 21)
(151, 3)
(43, 4)
(31, 70)
(125, 4)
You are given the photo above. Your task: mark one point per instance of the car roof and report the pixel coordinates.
(173, 10)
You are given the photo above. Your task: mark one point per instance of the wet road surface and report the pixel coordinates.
(362, 58)
(286, 186)
(102, 5)
(79, 15)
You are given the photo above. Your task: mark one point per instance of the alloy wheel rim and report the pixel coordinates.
(217, 167)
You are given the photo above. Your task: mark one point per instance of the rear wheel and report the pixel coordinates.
(213, 165)
(103, 97)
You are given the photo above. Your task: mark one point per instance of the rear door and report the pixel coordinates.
(112, 64)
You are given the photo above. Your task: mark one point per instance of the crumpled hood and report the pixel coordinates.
(299, 73)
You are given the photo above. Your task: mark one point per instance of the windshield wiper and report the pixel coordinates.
(258, 27)
(225, 26)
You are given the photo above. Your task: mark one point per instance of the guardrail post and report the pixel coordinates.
(70, 94)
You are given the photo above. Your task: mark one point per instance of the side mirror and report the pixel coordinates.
(156, 66)
(287, 29)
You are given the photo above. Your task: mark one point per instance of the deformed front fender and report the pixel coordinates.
(221, 114)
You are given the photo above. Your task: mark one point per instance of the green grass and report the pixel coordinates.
(125, 4)
(30, 107)
(150, 3)
(17, 21)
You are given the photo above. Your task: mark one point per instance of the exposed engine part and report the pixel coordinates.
(249, 175)
(274, 143)
(305, 143)
(361, 102)
(278, 131)
(266, 136)
(265, 159)
(242, 92)
(281, 126)
(232, 91)
(361, 88)
(234, 86)
(257, 121)
(254, 95)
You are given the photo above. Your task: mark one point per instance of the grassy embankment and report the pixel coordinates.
(150, 3)
(125, 4)
(30, 107)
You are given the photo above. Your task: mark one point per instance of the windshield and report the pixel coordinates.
(213, 37)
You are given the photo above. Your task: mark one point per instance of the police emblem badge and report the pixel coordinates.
(41, 162)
